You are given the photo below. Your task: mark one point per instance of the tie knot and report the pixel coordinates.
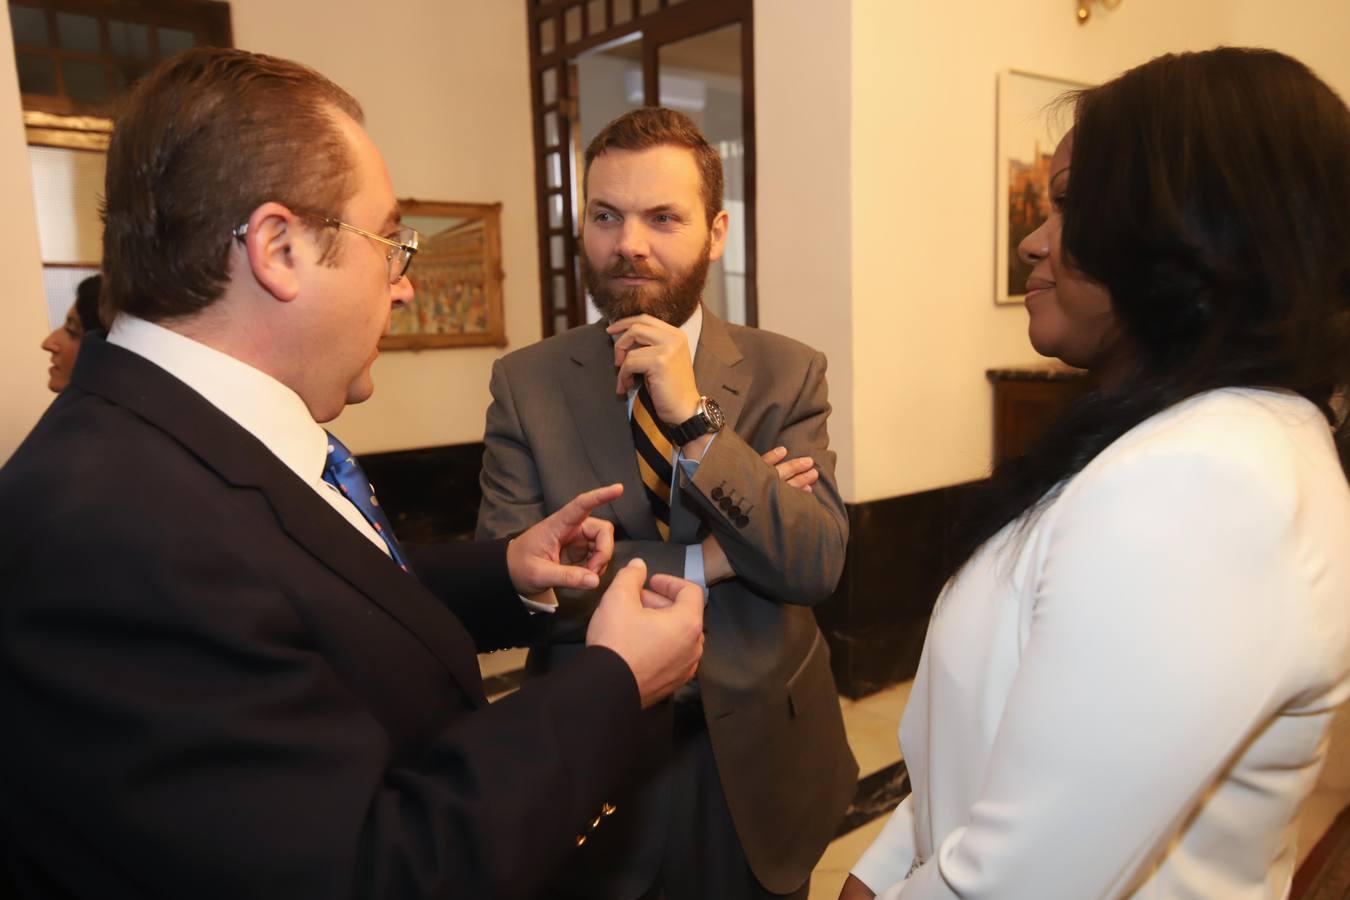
(339, 457)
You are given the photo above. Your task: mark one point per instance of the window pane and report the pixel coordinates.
(549, 84)
(37, 74)
(559, 292)
(30, 26)
(553, 170)
(130, 40)
(572, 24)
(550, 129)
(173, 41)
(78, 33)
(596, 12)
(560, 323)
(623, 11)
(555, 251)
(608, 84)
(555, 211)
(546, 36)
(85, 80)
(646, 6)
(701, 77)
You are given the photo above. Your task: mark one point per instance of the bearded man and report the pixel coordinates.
(718, 434)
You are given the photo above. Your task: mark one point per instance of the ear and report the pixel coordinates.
(271, 245)
(718, 241)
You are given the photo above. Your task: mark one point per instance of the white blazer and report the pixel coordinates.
(1129, 697)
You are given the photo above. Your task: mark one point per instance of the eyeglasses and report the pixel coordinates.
(402, 246)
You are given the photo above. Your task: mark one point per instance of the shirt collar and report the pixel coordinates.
(693, 329)
(257, 402)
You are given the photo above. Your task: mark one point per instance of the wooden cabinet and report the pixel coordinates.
(1028, 401)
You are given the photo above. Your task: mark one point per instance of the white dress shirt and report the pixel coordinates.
(1130, 696)
(257, 402)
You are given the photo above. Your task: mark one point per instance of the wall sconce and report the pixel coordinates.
(1085, 8)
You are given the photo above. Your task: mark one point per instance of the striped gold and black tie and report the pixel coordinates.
(654, 452)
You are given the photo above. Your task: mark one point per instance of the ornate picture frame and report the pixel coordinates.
(457, 278)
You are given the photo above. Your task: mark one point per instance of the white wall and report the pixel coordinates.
(803, 103)
(23, 370)
(924, 327)
(445, 86)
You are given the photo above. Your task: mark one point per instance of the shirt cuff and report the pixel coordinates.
(693, 567)
(542, 602)
(690, 466)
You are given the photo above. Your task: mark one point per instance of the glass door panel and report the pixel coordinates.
(700, 76)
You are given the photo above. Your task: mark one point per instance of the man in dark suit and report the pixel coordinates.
(219, 676)
(691, 415)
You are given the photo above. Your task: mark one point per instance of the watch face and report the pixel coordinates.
(715, 417)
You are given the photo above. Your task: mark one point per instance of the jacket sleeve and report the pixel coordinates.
(784, 543)
(183, 735)
(472, 580)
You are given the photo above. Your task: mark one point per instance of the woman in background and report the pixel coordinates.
(1126, 686)
(64, 342)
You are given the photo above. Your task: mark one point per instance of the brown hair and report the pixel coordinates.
(654, 126)
(204, 140)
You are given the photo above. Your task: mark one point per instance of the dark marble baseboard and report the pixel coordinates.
(878, 794)
(899, 551)
(430, 494)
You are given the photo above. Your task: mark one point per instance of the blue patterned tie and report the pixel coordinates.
(343, 472)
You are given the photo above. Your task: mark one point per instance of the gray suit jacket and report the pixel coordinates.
(556, 428)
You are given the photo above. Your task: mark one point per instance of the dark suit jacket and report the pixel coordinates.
(213, 686)
(556, 426)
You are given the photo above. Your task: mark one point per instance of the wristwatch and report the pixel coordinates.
(707, 419)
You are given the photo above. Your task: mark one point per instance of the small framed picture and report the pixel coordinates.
(456, 277)
(1031, 122)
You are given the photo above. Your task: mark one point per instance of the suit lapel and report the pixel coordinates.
(601, 418)
(716, 368)
(138, 385)
(718, 375)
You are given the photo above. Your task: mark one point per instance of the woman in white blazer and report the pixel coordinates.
(1126, 686)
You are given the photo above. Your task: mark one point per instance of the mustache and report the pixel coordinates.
(624, 268)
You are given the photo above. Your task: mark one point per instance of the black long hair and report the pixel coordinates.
(86, 302)
(1210, 194)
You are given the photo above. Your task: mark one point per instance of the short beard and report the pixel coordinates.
(674, 303)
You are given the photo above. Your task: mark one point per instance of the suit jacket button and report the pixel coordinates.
(725, 503)
(734, 512)
(742, 521)
(717, 493)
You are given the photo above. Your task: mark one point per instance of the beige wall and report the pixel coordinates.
(445, 86)
(803, 84)
(23, 367)
(923, 137)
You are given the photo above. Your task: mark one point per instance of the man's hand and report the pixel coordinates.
(657, 629)
(854, 889)
(659, 352)
(800, 473)
(567, 550)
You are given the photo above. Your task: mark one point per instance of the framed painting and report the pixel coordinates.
(1030, 126)
(456, 277)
